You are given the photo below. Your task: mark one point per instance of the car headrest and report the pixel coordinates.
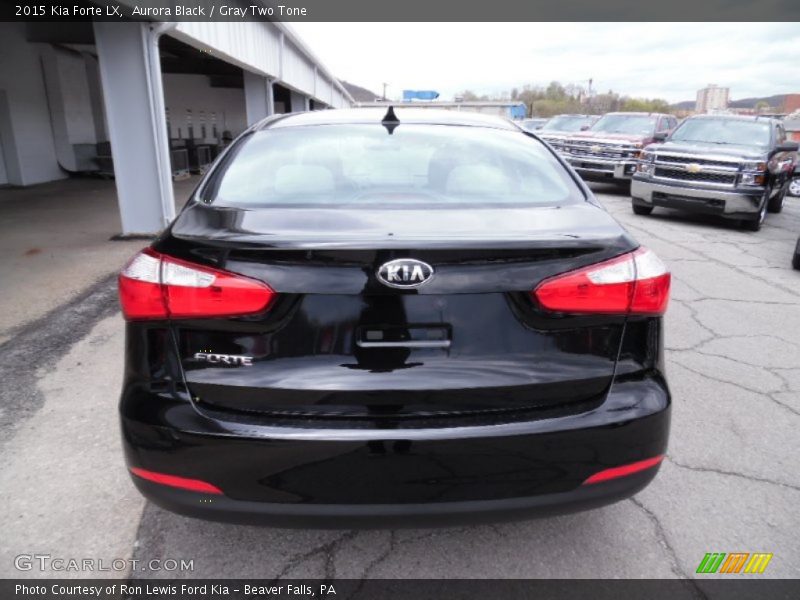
(477, 179)
(292, 180)
(323, 155)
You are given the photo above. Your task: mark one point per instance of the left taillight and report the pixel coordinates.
(156, 286)
(636, 283)
(184, 483)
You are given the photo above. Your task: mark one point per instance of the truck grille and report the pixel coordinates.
(592, 149)
(694, 168)
(558, 143)
(595, 166)
(727, 179)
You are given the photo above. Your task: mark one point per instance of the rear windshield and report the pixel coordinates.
(415, 165)
(723, 131)
(633, 124)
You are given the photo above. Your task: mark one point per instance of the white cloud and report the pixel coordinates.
(665, 60)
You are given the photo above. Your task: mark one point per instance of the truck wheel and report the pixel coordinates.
(755, 224)
(796, 258)
(641, 209)
(775, 205)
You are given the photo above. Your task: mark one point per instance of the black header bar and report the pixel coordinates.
(673, 11)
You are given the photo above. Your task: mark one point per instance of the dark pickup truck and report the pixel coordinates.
(737, 167)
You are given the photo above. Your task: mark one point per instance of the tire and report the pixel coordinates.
(755, 224)
(794, 187)
(775, 205)
(796, 257)
(639, 209)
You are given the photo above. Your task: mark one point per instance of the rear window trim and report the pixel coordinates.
(213, 178)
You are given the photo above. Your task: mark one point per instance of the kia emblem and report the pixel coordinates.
(404, 273)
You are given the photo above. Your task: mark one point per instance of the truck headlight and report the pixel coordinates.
(752, 179)
(634, 151)
(754, 166)
(646, 164)
(753, 173)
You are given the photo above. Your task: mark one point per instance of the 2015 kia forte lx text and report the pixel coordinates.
(404, 317)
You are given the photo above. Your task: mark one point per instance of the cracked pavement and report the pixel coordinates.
(731, 482)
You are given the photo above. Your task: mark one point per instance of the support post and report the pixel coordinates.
(258, 97)
(133, 96)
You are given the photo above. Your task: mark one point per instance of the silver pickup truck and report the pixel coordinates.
(737, 167)
(558, 130)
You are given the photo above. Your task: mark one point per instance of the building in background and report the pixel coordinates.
(791, 103)
(509, 109)
(145, 102)
(712, 98)
(791, 123)
(423, 95)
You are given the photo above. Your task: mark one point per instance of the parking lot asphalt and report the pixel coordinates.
(731, 482)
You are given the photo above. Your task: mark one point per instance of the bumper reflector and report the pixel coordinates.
(624, 470)
(193, 485)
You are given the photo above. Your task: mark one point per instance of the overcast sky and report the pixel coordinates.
(653, 60)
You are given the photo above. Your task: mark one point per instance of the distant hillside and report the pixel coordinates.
(685, 105)
(359, 93)
(751, 102)
(775, 101)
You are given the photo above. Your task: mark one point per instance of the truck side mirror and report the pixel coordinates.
(787, 147)
(783, 147)
(660, 136)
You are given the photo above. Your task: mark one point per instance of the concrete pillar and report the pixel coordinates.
(270, 98)
(96, 97)
(59, 117)
(24, 114)
(299, 102)
(3, 174)
(130, 72)
(258, 97)
(12, 169)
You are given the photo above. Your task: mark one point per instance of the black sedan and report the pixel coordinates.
(403, 318)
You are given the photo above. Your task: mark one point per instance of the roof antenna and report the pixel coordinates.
(390, 120)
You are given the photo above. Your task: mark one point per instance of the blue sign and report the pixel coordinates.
(409, 95)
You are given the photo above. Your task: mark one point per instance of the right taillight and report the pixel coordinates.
(634, 283)
(156, 286)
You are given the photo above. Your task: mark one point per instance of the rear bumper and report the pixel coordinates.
(337, 478)
(344, 516)
(601, 169)
(731, 204)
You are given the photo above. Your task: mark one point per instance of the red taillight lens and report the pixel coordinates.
(155, 286)
(635, 283)
(193, 485)
(624, 470)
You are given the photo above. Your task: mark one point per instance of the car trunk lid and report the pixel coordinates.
(338, 343)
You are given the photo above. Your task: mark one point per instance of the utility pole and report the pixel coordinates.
(385, 85)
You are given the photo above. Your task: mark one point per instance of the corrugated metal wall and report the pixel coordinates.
(268, 49)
